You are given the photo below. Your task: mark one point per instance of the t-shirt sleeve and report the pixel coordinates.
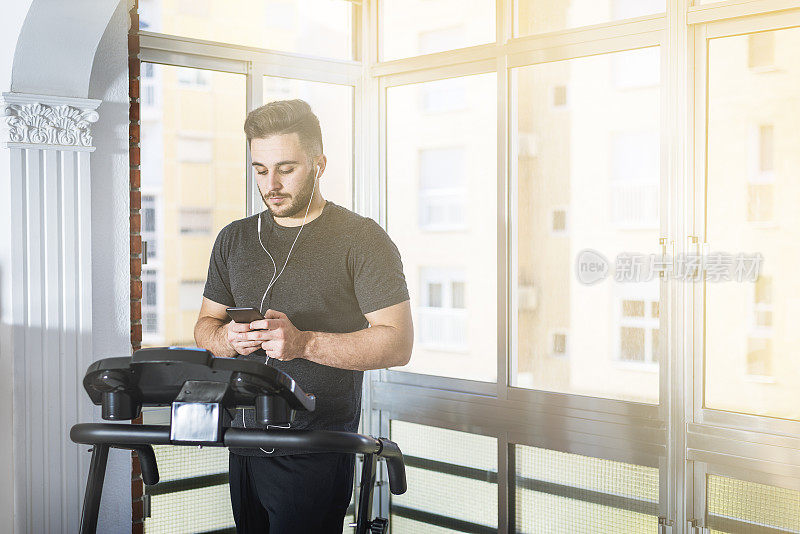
(218, 282)
(378, 276)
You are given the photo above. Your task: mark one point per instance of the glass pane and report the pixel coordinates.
(441, 213)
(193, 184)
(333, 105)
(416, 27)
(598, 158)
(562, 492)
(198, 498)
(452, 480)
(751, 314)
(312, 27)
(540, 16)
(739, 506)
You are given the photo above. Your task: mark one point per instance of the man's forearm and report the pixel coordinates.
(376, 347)
(210, 334)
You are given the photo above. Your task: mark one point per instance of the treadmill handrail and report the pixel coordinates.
(252, 438)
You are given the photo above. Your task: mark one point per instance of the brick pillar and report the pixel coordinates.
(137, 486)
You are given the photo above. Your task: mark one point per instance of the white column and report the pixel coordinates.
(46, 302)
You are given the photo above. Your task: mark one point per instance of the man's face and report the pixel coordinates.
(285, 173)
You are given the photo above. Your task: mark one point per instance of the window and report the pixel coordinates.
(333, 104)
(442, 189)
(761, 50)
(193, 150)
(149, 288)
(442, 316)
(540, 16)
(440, 24)
(749, 327)
(194, 78)
(149, 226)
(559, 221)
(638, 327)
(150, 87)
(559, 96)
(432, 41)
(195, 221)
(151, 323)
(585, 179)
(634, 174)
(760, 185)
(317, 27)
(760, 203)
(557, 491)
(735, 505)
(559, 344)
(766, 149)
(636, 69)
(759, 342)
(444, 95)
(455, 474)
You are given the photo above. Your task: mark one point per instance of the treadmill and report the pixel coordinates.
(204, 392)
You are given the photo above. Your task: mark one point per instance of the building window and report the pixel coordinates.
(635, 170)
(559, 96)
(761, 50)
(759, 341)
(760, 186)
(766, 149)
(196, 221)
(559, 221)
(759, 356)
(559, 347)
(150, 303)
(442, 189)
(638, 319)
(149, 85)
(442, 318)
(149, 226)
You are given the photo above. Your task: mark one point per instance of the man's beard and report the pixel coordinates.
(297, 202)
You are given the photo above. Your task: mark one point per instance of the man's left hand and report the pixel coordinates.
(279, 337)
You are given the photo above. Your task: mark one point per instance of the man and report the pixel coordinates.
(331, 286)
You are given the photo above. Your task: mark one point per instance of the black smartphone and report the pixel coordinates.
(244, 315)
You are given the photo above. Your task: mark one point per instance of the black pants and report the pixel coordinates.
(291, 494)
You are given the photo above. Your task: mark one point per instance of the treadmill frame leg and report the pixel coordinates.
(94, 489)
(364, 518)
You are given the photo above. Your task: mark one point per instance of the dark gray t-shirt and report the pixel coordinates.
(342, 267)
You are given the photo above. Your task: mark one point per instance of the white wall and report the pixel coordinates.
(110, 241)
(13, 16)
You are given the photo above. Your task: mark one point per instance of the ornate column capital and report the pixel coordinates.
(41, 121)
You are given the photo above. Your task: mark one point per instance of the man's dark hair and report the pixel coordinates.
(285, 117)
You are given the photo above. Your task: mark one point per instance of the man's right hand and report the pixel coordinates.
(235, 333)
